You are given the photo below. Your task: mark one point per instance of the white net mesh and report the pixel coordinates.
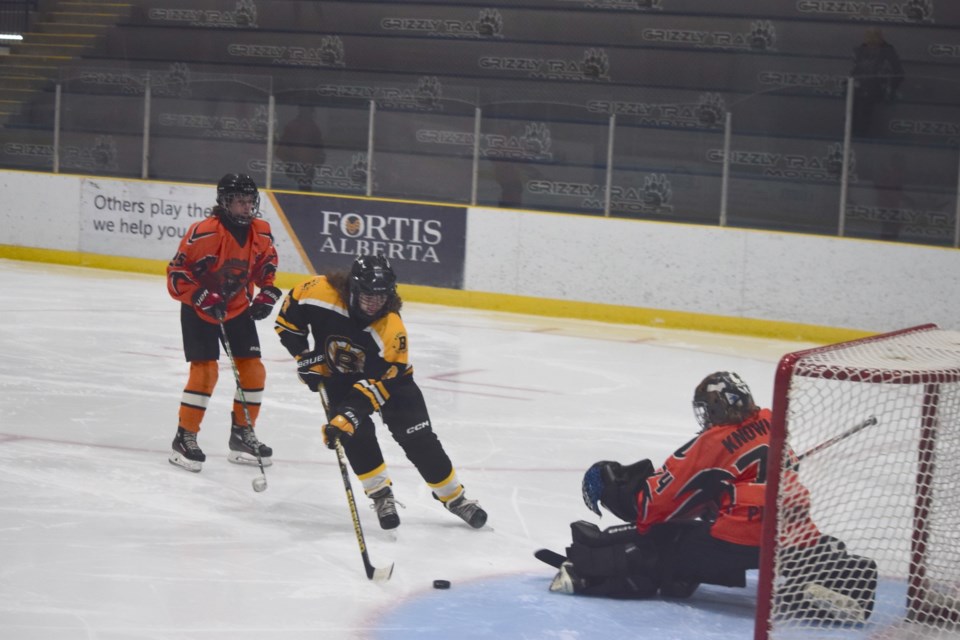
(872, 458)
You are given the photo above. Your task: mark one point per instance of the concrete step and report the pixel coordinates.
(48, 27)
(10, 107)
(26, 69)
(84, 17)
(37, 37)
(15, 82)
(21, 60)
(70, 5)
(67, 50)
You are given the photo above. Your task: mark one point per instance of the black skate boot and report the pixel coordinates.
(186, 452)
(471, 512)
(243, 447)
(386, 507)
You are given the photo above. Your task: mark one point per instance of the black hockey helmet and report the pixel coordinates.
(722, 398)
(372, 285)
(231, 186)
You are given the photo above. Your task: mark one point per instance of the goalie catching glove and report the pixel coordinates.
(312, 369)
(615, 487)
(343, 425)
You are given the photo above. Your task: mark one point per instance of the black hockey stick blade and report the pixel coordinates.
(552, 558)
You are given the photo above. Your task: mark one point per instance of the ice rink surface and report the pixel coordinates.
(101, 538)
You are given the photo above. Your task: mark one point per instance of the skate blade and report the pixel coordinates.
(178, 460)
(837, 606)
(239, 457)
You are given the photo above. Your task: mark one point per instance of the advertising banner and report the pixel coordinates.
(140, 219)
(147, 219)
(424, 243)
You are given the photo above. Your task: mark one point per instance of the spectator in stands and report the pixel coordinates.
(877, 75)
(300, 148)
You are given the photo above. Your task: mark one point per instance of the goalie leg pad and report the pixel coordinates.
(589, 534)
(633, 587)
(617, 551)
(830, 584)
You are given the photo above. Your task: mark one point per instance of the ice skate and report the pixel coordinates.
(468, 510)
(386, 507)
(565, 580)
(186, 452)
(243, 447)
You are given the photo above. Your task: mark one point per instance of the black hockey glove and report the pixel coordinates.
(263, 303)
(211, 303)
(615, 486)
(312, 369)
(341, 426)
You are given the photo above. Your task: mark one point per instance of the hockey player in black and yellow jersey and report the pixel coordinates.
(360, 355)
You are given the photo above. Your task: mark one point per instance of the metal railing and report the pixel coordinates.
(706, 162)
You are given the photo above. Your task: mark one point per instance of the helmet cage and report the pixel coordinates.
(372, 285)
(722, 398)
(233, 186)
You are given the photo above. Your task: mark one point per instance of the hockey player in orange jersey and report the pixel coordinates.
(360, 355)
(218, 263)
(698, 518)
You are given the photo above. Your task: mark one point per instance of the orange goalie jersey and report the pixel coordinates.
(719, 474)
(210, 257)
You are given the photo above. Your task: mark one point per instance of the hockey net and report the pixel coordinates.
(865, 444)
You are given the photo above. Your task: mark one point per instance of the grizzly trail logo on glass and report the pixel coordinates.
(174, 82)
(652, 198)
(425, 96)
(330, 53)
(488, 25)
(594, 65)
(533, 144)
(244, 15)
(826, 168)
(874, 11)
(708, 112)
(223, 127)
(762, 36)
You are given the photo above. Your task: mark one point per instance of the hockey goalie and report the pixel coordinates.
(698, 518)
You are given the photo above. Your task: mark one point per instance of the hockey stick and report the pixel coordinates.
(259, 484)
(860, 426)
(373, 573)
(552, 558)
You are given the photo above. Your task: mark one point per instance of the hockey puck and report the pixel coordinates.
(441, 584)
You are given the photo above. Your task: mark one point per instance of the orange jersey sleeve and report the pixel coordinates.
(210, 257)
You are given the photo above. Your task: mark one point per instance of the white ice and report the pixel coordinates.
(101, 538)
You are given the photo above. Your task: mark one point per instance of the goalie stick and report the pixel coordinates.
(381, 574)
(552, 558)
(860, 426)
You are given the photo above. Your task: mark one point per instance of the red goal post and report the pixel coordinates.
(871, 429)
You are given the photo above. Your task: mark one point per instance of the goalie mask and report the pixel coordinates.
(722, 398)
(238, 198)
(372, 285)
